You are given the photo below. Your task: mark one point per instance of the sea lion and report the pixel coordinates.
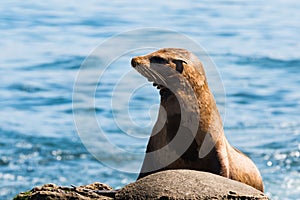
(207, 148)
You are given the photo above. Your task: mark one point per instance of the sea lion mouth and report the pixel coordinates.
(163, 91)
(155, 79)
(159, 87)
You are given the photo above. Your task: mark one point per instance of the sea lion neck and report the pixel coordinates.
(204, 107)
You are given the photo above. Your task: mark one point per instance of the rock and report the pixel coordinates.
(188, 184)
(171, 184)
(52, 191)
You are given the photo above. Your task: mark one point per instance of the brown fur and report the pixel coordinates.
(222, 158)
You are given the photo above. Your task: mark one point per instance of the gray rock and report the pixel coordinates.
(188, 184)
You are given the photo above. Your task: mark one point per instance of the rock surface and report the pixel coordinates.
(171, 184)
(188, 184)
(54, 192)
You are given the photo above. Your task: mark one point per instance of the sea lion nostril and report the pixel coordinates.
(133, 62)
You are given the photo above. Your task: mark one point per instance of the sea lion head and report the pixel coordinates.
(169, 68)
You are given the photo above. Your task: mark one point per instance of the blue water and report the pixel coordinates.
(254, 44)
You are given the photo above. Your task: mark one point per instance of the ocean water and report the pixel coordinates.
(254, 45)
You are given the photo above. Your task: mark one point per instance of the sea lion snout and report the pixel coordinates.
(139, 61)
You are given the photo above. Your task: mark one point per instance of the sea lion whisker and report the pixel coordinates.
(146, 74)
(152, 76)
(159, 76)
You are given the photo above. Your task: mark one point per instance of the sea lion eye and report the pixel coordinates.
(179, 65)
(159, 60)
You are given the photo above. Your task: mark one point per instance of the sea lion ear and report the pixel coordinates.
(179, 65)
